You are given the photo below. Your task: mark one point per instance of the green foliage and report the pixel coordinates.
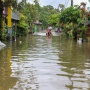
(48, 15)
(54, 19)
(10, 2)
(70, 14)
(73, 22)
(33, 12)
(22, 25)
(22, 22)
(61, 6)
(81, 31)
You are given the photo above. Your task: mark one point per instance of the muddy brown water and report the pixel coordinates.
(37, 62)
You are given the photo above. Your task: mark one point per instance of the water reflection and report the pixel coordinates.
(38, 62)
(73, 59)
(6, 81)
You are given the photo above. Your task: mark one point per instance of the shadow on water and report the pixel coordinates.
(37, 62)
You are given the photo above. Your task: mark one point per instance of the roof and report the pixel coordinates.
(15, 16)
(37, 22)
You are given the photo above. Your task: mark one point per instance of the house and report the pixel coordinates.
(37, 24)
(11, 18)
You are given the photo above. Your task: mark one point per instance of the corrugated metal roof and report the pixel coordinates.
(15, 16)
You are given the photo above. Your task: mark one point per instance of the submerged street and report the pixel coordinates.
(37, 62)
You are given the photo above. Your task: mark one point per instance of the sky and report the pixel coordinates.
(55, 3)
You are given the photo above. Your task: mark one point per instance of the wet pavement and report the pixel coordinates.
(37, 62)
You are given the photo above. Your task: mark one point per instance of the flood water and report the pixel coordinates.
(37, 62)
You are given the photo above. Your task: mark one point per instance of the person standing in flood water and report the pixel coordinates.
(48, 32)
(49, 27)
(34, 29)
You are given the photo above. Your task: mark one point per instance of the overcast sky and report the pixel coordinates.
(55, 3)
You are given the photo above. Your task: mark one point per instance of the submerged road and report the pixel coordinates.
(37, 62)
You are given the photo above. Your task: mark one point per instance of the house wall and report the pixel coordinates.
(9, 15)
(9, 22)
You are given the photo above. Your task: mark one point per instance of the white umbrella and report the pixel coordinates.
(50, 28)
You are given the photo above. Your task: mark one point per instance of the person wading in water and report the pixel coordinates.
(48, 32)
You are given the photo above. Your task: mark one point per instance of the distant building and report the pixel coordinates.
(37, 24)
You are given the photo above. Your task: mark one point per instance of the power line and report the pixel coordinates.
(67, 3)
(49, 2)
(52, 1)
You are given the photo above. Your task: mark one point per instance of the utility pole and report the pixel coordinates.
(71, 2)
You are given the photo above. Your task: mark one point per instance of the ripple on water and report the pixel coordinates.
(47, 64)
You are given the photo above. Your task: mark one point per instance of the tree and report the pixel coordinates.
(1, 18)
(61, 6)
(48, 15)
(32, 12)
(89, 0)
(71, 18)
(70, 14)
